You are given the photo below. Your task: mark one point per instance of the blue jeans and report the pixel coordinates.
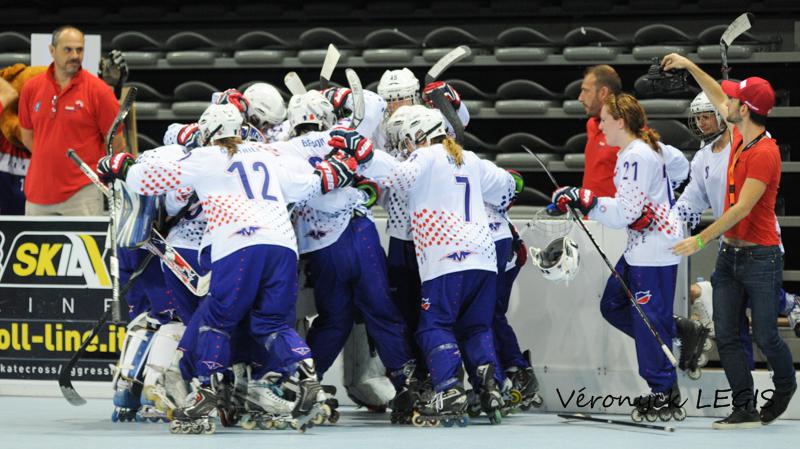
(754, 273)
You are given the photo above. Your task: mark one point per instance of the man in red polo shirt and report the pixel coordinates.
(750, 261)
(65, 107)
(598, 174)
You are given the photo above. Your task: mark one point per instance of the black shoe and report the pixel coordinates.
(741, 418)
(776, 405)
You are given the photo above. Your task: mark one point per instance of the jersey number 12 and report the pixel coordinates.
(257, 166)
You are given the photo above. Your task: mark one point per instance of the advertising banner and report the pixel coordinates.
(54, 285)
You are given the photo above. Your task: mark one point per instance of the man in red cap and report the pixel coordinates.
(750, 262)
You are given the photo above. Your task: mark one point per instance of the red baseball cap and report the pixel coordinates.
(754, 92)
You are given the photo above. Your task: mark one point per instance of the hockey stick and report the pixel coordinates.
(437, 97)
(331, 59)
(614, 272)
(585, 417)
(195, 283)
(294, 83)
(358, 97)
(124, 108)
(738, 27)
(65, 377)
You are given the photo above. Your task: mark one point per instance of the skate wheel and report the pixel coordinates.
(448, 423)
(209, 427)
(636, 415)
(702, 360)
(679, 414)
(537, 400)
(334, 418)
(495, 417)
(695, 374)
(525, 407)
(515, 397)
(139, 418)
(114, 416)
(319, 419)
(651, 416)
(474, 412)
(665, 414)
(295, 424)
(174, 427)
(227, 417)
(463, 422)
(282, 425)
(247, 424)
(418, 420)
(433, 422)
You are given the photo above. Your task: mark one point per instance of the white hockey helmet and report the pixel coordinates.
(394, 125)
(701, 104)
(559, 261)
(219, 121)
(310, 108)
(398, 88)
(421, 126)
(267, 107)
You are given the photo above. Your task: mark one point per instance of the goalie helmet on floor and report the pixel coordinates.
(398, 88)
(559, 261)
(219, 121)
(705, 120)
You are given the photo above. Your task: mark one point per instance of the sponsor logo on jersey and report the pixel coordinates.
(211, 364)
(458, 256)
(56, 259)
(426, 303)
(495, 226)
(37, 106)
(302, 351)
(248, 231)
(643, 297)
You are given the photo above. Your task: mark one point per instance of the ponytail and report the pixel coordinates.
(650, 137)
(229, 143)
(454, 150)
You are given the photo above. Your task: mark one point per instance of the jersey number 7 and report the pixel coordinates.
(465, 180)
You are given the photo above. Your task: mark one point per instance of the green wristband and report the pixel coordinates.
(699, 242)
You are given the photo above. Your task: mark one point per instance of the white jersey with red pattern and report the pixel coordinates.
(188, 232)
(244, 196)
(641, 180)
(319, 222)
(446, 206)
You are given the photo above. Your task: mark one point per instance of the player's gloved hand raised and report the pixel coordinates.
(189, 136)
(352, 143)
(234, 97)
(339, 96)
(447, 90)
(336, 171)
(371, 188)
(114, 167)
(582, 199)
(114, 69)
(645, 220)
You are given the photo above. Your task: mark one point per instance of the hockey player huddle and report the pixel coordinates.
(255, 185)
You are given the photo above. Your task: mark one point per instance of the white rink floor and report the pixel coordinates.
(27, 422)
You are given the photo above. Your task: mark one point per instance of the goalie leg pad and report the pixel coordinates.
(162, 351)
(364, 375)
(134, 352)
